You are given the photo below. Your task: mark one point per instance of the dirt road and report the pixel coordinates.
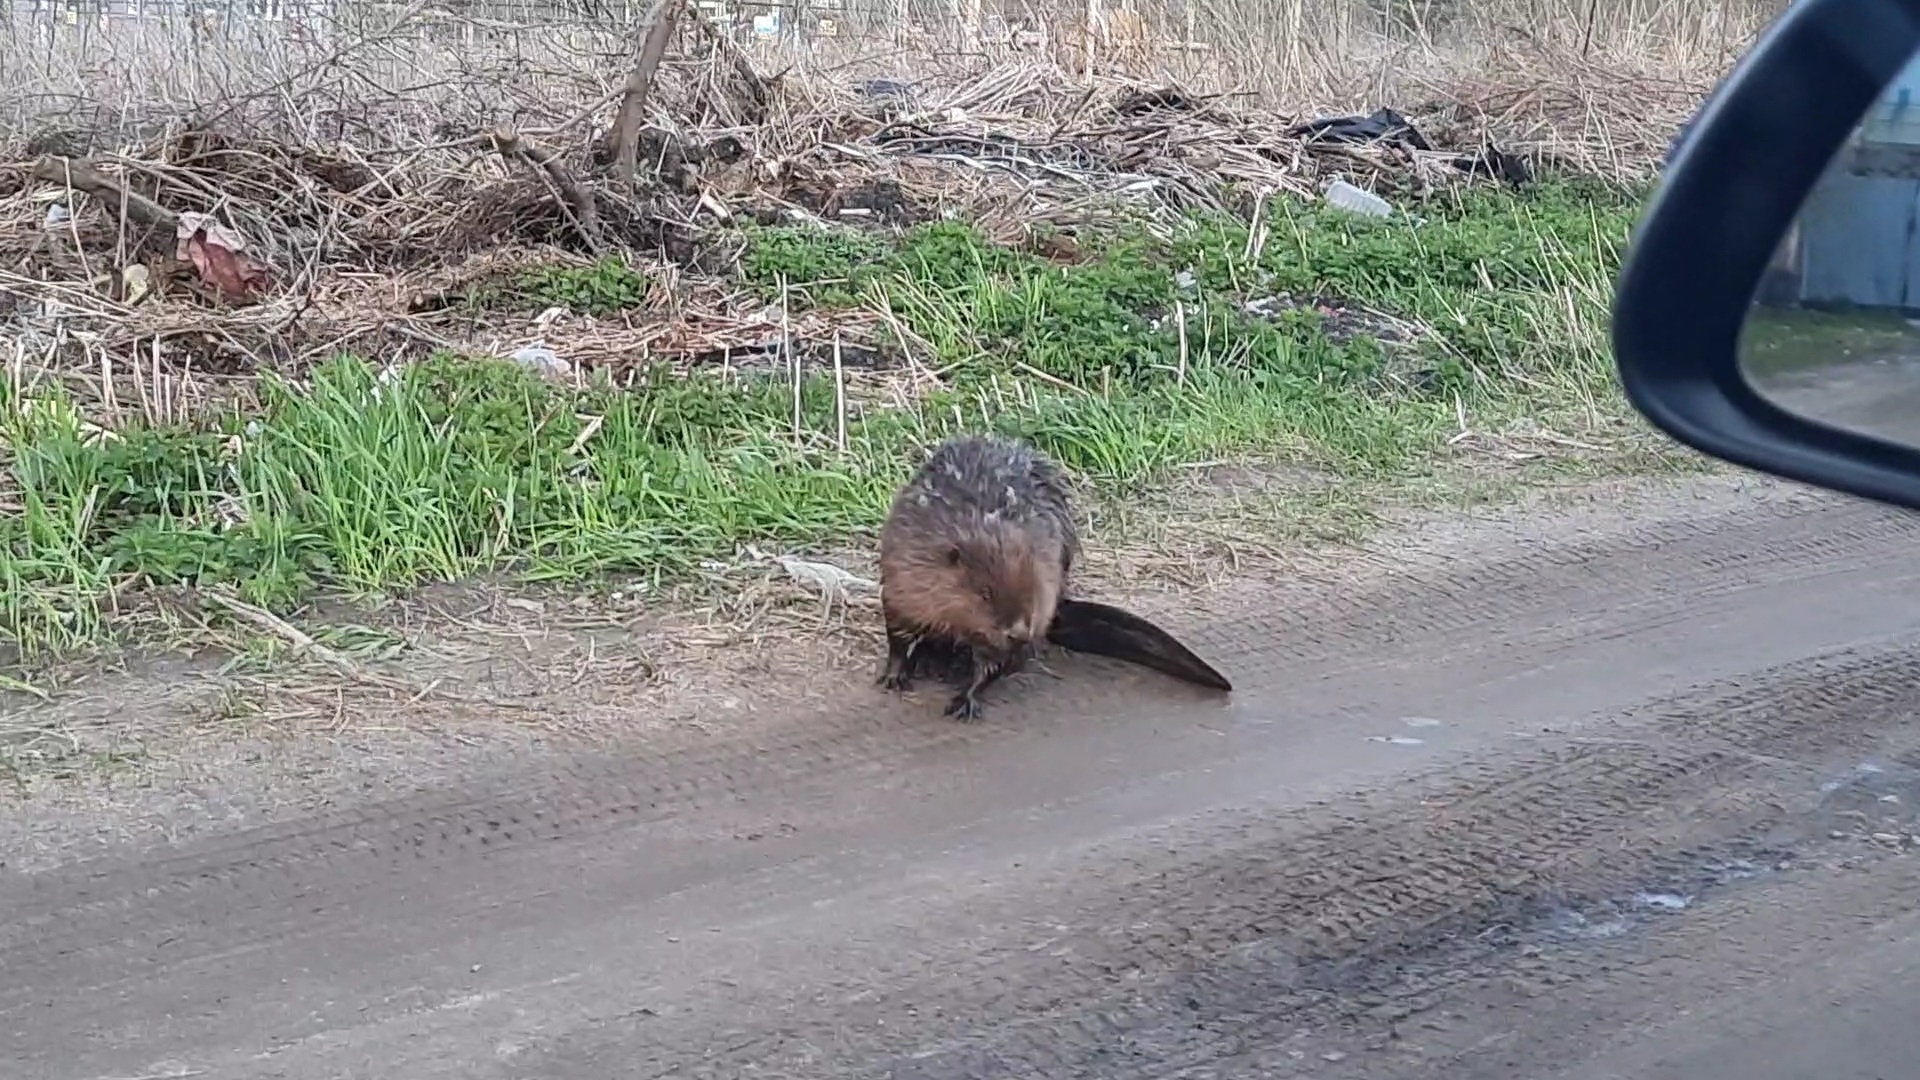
(1576, 802)
(1878, 396)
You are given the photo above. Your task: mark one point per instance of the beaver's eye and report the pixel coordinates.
(953, 556)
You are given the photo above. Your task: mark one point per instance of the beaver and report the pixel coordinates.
(975, 558)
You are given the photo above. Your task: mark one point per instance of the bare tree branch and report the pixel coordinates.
(623, 139)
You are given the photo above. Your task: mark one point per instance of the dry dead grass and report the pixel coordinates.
(553, 65)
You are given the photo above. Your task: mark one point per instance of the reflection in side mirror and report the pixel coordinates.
(1833, 335)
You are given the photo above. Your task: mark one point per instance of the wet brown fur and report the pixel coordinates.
(974, 558)
(974, 562)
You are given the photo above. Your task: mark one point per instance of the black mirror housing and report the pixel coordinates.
(1737, 178)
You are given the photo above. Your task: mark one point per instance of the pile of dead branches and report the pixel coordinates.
(220, 242)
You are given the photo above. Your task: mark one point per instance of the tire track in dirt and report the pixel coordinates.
(1367, 876)
(1277, 922)
(1660, 566)
(1753, 947)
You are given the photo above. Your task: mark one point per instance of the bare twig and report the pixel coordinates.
(574, 199)
(839, 397)
(302, 642)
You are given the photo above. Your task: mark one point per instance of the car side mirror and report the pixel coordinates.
(1769, 309)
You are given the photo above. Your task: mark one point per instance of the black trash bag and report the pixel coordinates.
(1388, 126)
(1384, 125)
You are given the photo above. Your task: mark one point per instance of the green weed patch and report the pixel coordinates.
(1351, 345)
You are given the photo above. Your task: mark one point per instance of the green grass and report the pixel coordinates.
(344, 481)
(1782, 341)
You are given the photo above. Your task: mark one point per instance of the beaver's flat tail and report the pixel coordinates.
(1088, 626)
